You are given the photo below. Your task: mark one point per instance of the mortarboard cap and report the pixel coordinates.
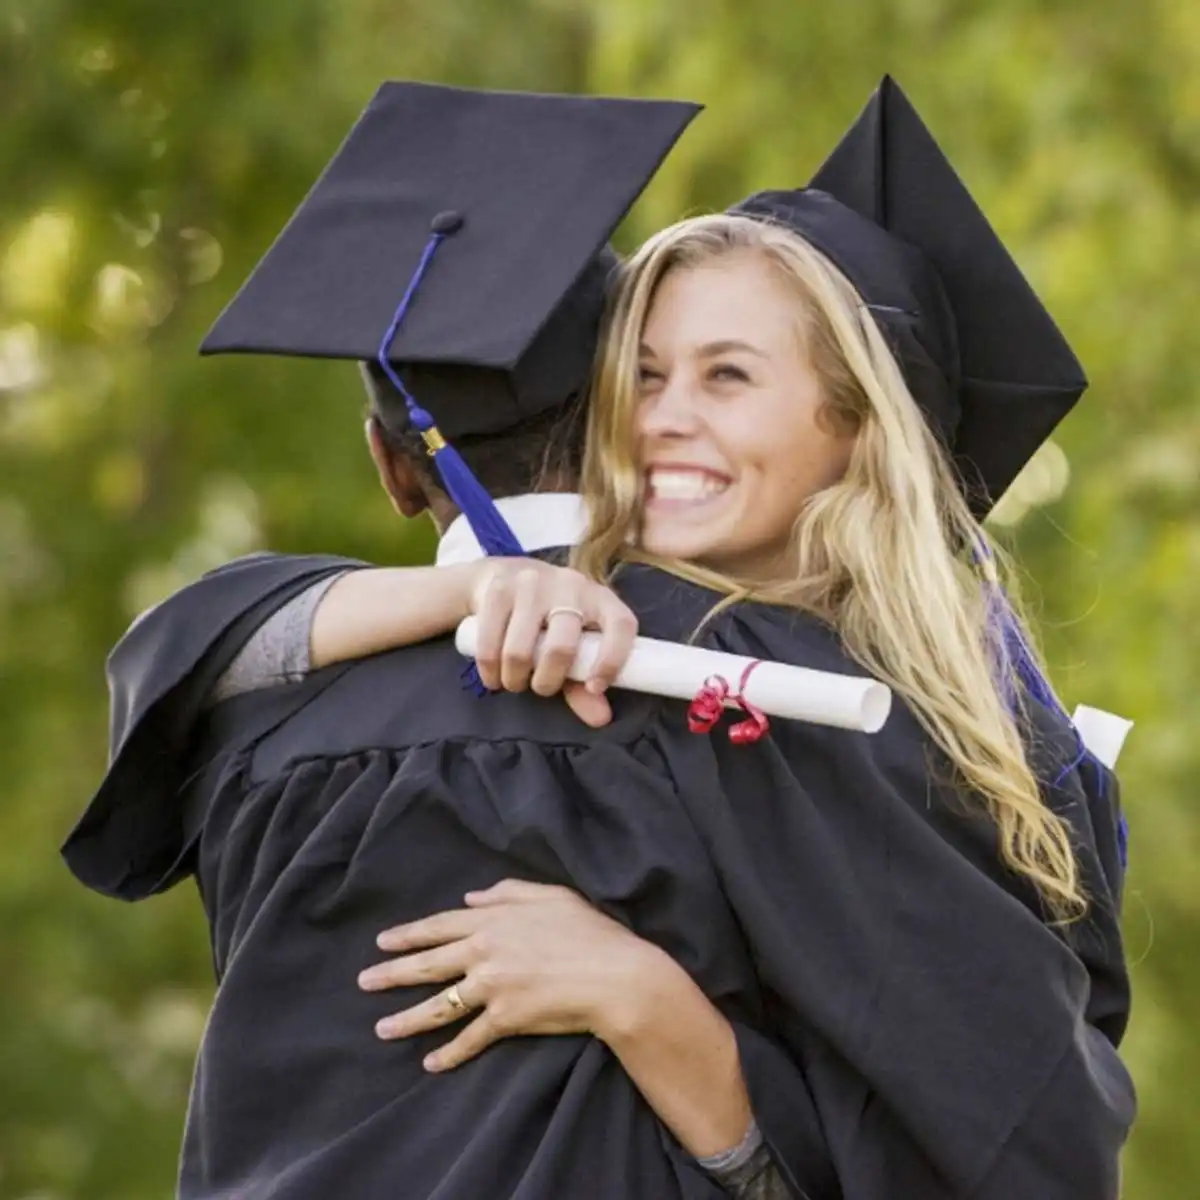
(526, 190)
(980, 353)
(514, 195)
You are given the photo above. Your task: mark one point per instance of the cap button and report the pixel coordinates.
(447, 223)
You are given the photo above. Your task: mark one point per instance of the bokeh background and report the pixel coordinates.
(150, 151)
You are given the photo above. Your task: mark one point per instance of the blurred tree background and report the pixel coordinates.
(150, 152)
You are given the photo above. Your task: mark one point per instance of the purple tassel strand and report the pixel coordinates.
(493, 532)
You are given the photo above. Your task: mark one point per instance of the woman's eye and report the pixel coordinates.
(648, 377)
(728, 373)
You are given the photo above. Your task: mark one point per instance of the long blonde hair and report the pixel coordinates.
(878, 552)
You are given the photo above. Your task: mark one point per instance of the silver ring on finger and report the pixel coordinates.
(565, 610)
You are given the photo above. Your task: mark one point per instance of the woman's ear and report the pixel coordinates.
(397, 473)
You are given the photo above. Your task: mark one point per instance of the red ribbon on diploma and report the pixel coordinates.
(709, 703)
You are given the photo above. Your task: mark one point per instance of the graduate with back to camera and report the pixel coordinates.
(294, 1094)
(910, 937)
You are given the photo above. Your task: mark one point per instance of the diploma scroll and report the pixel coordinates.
(678, 671)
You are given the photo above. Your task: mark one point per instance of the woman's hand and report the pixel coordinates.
(527, 958)
(517, 601)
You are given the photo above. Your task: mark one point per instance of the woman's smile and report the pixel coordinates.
(683, 489)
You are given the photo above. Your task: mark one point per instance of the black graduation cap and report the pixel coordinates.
(457, 242)
(980, 353)
(527, 187)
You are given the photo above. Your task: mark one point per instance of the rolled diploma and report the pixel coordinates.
(1103, 733)
(672, 669)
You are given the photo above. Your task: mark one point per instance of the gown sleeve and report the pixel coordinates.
(130, 841)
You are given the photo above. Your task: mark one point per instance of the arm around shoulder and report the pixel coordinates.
(367, 612)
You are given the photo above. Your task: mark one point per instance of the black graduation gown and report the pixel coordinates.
(909, 1026)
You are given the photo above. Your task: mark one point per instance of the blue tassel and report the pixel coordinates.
(471, 682)
(493, 532)
(495, 535)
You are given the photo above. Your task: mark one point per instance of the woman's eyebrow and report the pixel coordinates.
(712, 349)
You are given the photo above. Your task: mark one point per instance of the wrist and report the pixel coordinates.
(648, 987)
(470, 580)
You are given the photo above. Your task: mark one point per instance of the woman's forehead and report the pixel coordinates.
(736, 297)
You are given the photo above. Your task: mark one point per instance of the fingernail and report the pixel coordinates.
(432, 1063)
(387, 1029)
(391, 939)
(366, 980)
(596, 687)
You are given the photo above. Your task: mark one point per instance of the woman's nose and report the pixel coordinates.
(671, 411)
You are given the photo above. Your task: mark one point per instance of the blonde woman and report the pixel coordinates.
(752, 431)
(926, 918)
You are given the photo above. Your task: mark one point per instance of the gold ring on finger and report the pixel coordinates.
(455, 1000)
(565, 610)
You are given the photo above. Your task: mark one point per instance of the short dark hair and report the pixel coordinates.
(516, 460)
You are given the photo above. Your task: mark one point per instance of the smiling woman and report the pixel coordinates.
(733, 426)
(759, 429)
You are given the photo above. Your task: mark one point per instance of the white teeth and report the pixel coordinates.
(684, 485)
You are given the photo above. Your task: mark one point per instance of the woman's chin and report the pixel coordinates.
(702, 534)
(725, 555)
(687, 542)
(686, 545)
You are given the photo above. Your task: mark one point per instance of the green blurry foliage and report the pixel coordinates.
(149, 154)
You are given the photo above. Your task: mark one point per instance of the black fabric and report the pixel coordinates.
(128, 844)
(908, 1023)
(513, 298)
(980, 352)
